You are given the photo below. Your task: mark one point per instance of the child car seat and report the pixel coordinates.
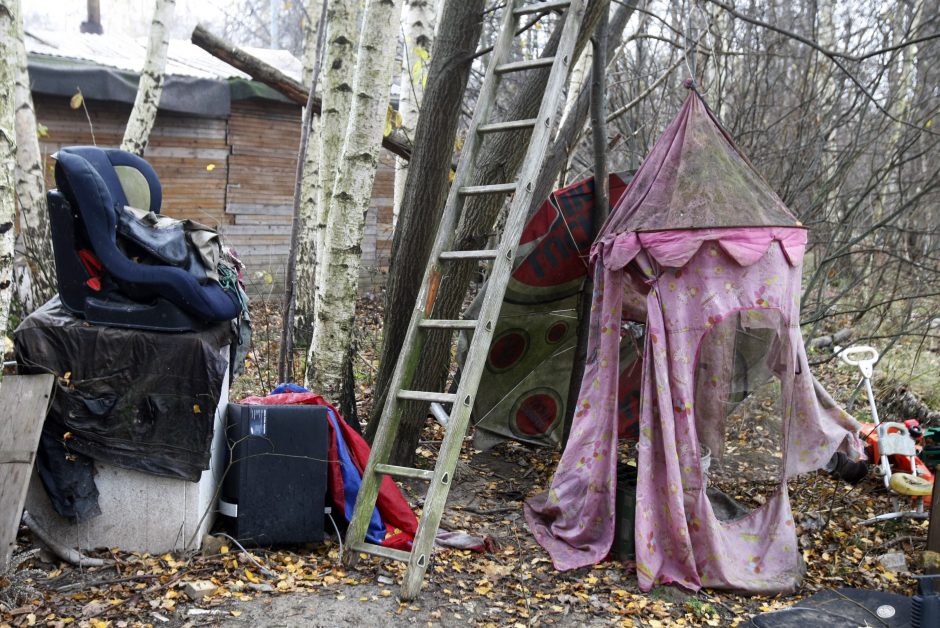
(112, 280)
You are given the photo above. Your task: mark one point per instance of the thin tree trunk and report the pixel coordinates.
(418, 22)
(305, 178)
(144, 113)
(499, 159)
(34, 267)
(598, 79)
(302, 320)
(427, 182)
(8, 33)
(580, 77)
(93, 23)
(336, 96)
(339, 258)
(305, 278)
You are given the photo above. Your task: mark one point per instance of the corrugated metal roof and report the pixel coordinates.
(127, 53)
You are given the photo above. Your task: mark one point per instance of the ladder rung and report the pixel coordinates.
(440, 414)
(478, 254)
(404, 472)
(542, 6)
(380, 550)
(511, 125)
(496, 188)
(440, 323)
(423, 395)
(518, 66)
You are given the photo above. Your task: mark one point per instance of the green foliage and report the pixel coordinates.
(700, 609)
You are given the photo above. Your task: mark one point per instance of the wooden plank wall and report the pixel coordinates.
(263, 138)
(236, 175)
(377, 233)
(189, 154)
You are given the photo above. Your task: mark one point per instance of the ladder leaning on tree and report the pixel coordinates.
(482, 328)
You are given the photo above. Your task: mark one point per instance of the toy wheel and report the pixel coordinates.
(907, 484)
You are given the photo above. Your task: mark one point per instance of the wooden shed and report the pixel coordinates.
(224, 146)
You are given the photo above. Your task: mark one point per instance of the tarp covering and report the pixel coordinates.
(125, 397)
(181, 94)
(697, 313)
(107, 67)
(523, 394)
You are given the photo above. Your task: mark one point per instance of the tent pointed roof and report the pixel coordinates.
(696, 178)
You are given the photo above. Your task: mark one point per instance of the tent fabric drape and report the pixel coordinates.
(679, 538)
(674, 248)
(696, 178)
(716, 256)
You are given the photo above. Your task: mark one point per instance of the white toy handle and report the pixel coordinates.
(862, 356)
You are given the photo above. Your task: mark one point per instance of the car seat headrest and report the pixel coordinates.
(129, 178)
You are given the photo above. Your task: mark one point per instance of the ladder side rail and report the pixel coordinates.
(407, 358)
(479, 347)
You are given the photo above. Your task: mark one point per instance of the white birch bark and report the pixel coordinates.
(336, 89)
(137, 133)
(34, 267)
(576, 82)
(337, 98)
(352, 191)
(309, 190)
(8, 32)
(418, 23)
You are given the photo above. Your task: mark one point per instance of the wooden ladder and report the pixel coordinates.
(502, 256)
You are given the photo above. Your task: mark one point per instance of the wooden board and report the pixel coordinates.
(24, 400)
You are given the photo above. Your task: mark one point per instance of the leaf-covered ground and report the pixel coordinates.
(514, 584)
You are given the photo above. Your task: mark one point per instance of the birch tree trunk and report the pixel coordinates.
(418, 23)
(8, 33)
(137, 133)
(579, 74)
(306, 177)
(351, 194)
(305, 202)
(327, 142)
(34, 266)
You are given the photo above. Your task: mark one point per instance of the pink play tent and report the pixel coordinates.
(703, 249)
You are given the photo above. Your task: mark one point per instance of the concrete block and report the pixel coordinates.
(199, 589)
(143, 512)
(893, 561)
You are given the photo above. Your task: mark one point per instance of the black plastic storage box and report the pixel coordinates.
(275, 490)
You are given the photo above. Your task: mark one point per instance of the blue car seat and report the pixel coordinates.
(108, 279)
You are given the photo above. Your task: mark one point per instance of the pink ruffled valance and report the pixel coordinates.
(673, 248)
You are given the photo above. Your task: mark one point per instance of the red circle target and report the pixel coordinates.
(556, 332)
(536, 412)
(508, 349)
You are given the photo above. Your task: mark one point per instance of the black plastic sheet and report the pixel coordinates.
(129, 398)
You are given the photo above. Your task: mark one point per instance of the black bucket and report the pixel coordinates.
(623, 547)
